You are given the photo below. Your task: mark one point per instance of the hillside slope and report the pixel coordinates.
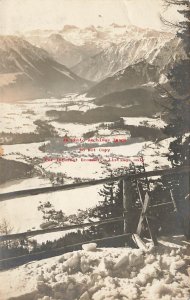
(156, 48)
(28, 72)
(133, 76)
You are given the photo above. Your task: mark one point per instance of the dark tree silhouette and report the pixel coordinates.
(109, 207)
(179, 125)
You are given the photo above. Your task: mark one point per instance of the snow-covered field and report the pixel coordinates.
(105, 274)
(21, 184)
(23, 152)
(73, 129)
(20, 117)
(155, 155)
(148, 122)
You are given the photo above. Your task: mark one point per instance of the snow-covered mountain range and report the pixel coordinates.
(45, 63)
(95, 53)
(28, 72)
(155, 50)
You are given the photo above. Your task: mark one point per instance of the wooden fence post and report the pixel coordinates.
(127, 204)
(143, 216)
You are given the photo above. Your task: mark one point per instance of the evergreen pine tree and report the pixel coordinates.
(111, 206)
(179, 125)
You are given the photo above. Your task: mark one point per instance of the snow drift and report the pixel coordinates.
(103, 274)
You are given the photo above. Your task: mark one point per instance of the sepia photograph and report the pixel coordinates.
(94, 149)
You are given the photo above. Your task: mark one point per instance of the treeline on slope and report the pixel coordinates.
(103, 114)
(43, 131)
(147, 133)
(143, 95)
(11, 170)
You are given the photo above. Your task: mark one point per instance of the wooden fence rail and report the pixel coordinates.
(9, 262)
(50, 189)
(26, 234)
(22, 259)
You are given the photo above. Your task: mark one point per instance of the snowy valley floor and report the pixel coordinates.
(162, 272)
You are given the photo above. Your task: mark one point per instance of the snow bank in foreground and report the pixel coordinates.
(103, 274)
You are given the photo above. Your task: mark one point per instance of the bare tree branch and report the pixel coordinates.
(176, 2)
(169, 23)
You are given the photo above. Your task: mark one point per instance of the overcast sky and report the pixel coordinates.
(23, 15)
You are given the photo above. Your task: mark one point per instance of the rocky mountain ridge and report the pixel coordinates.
(29, 72)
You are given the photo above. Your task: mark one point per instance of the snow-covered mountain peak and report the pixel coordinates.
(100, 35)
(17, 44)
(96, 52)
